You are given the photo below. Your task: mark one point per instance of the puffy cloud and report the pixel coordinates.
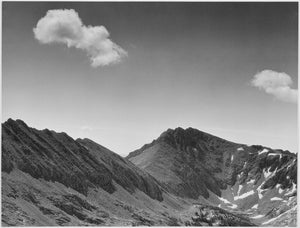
(277, 84)
(65, 26)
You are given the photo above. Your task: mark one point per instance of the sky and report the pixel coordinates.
(123, 73)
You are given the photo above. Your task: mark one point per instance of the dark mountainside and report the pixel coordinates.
(185, 177)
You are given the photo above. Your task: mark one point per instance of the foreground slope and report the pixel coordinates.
(253, 180)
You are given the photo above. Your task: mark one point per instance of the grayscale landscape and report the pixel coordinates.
(149, 114)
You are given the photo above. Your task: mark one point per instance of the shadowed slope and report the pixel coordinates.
(123, 171)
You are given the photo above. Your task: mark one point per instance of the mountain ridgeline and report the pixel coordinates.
(57, 157)
(192, 163)
(184, 177)
(255, 180)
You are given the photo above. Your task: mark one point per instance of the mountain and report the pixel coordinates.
(48, 178)
(57, 157)
(257, 181)
(184, 177)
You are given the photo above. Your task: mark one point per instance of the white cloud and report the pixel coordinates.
(65, 26)
(277, 84)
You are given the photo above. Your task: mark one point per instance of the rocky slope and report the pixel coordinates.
(253, 180)
(185, 177)
(57, 157)
(51, 179)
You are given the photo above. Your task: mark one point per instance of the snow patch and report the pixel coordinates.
(275, 154)
(280, 190)
(255, 206)
(251, 181)
(271, 220)
(290, 165)
(263, 151)
(240, 188)
(246, 194)
(240, 149)
(260, 191)
(258, 216)
(267, 173)
(232, 205)
(239, 176)
(294, 188)
(224, 200)
(231, 157)
(276, 199)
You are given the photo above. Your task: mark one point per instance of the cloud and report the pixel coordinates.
(65, 26)
(276, 84)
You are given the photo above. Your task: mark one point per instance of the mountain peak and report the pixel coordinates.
(12, 122)
(193, 163)
(189, 137)
(184, 139)
(179, 130)
(187, 132)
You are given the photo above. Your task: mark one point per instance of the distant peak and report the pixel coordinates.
(179, 131)
(171, 130)
(9, 120)
(182, 138)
